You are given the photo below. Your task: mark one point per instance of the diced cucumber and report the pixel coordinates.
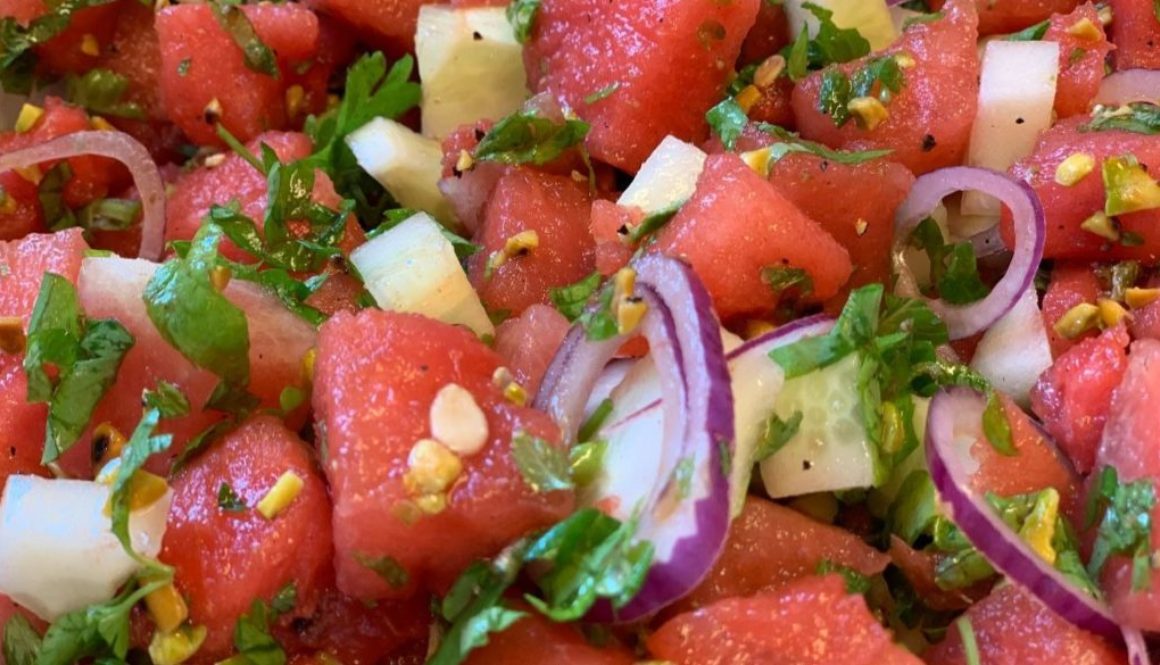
(406, 164)
(470, 64)
(831, 450)
(413, 268)
(667, 178)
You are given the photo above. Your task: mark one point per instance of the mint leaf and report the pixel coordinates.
(727, 120)
(138, 449)
(477, 593)
(954, 272)
(1032, 33)
(856, 582)
(526, 137)
(167, 399)
(1126, 526)
(17, 57)
(1137, 117)
(258, 57)
(545, 467)
(790, 142)
(387, 568)
(834, 44)
(252, 637)
(570, 300)
(98, 632)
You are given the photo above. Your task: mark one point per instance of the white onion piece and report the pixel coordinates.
(667, 178)
(1129, 85)
(118, 146)
(1016, 96)
(57, 550)
(1015, 351)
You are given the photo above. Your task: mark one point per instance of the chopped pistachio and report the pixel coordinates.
(220, 276)
(167, 608)
(515, 393)
(90, 46)
(308, 360)
(629, 314)
(768, 71)
(1112, 313)
(517, 245)
(432, 504)
(29, 115)
(432, 468)
(12, 334)
(212, 111)
(1077, 320)
(101, 125)
(457, 421)
(464, 162)
(295, 100)
(215, 160)
(1039, 529)
(1102, 226)
(860, 227)
(1075, 168)
(1136, 297)
(758, 327)
(285, 490)
(869, 112)
(904, 60)
(758, 160)
(177, 647)
(1085, 30)
(1128, 186)
(748, 96)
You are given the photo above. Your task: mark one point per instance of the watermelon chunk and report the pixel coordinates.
(388, 24)
(67, 53)
(1014, 15)
(557, 209)
(201, 63)
(356, 633)
(612, 253)
(736, 225)
(1073, 396)
(529, 343)
(669, 61)
(769, 34)
(1081, 61)
(1011, 626)
(771, 546)
(1071, 284)
(376, 376)
(22, 267)
(20, 212)
(535, 640)
(1067, 207)
(279, 340)
(226, 559)
(1136, 34)
(930, 119)
(1128, 445)
(813, 621)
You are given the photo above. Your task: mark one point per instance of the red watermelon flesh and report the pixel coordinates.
(775, 105)
(1081, 61)
(1071, 284)
(930, 119)
(388, 24)
(200, 62)
(608, 218)
(1067, 207)
(1013, 628)
(735, 225)
(65, 53)
(1129, 445)
(1136, 34)
(529, 343)
(557, 209)
(669, 60)
(771, 546)
(920, 569)
(20, 212)
(769, 34)
(813, 621)
(535, 640)
(376, 375)
(279, 340)
(1014, 15)
(225, 560)
(22, 266)
(1073, 396)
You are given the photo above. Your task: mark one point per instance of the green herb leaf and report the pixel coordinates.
(834, 44)
(970, 644)
(1031, 33)
(597, 320)
(727, 120)
(138, 449)
(997, 428)
(228, 500)
(790, 142)
(654, 222)
(797, 57)
(50, 193)
(777, 433)
(285, 600)
(954, 271)
(915, 507)
(168, 399)
(21, 641)
(252, 637)
(834, 96)
(522, 16)
(102, 92)
(784, 278)
(544, 466)
(526, 137)
(856, 582)
(258, 57)
(477, 592)
(1137, 117)
(387, 568)
(570, 300)
(1126, 527)
(587, 459)
(595, 421)
(603, 93)
(98, 631)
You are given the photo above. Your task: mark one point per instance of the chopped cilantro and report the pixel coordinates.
(834, 96)
(784, 278)
(544, 466)
(727, 120)
(838, 90)
(797, 56)
(99, 632)
(102, 92)
(522, 16)
(777, 433)
(1126, 526)
(789, 142)
(571, 299)
(21, 641)
(1137, 117)
(228, 500)
(954, 273)
(597, 320)
(252, 637)
(474, 608)
(258, 57)
(387, 568)
(84, 355)
(527, 137)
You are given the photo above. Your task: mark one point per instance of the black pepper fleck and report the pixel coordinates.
(928, 143)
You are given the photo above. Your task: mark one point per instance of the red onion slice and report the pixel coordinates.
(114, 145)
(687, 527)
(1030, 233)
(1137, 647)
(954, 424)
(1129, 85)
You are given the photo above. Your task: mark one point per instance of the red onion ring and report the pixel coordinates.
(1030, 234)
(114, 145)
(690, 360)
(1137, 647)
(1129, 85)
(954, 424)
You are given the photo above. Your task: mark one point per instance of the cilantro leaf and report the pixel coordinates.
(522, 16)
(96, 631)
(102, 92)
(727, 120)
(168, 399)
(777, 433)
(834, 44)
(1137, 117)
(228, 500)
(526, 137)
(258, 57)
(21, 641)
(545, 467)
(196, 319)
(1126, 526)
(570, 300)
(387, 568)
(477, 592)
(252, 637)
(85, 355)
(138, 449)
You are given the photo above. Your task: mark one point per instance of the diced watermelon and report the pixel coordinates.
(775, 105)
(20, 212)
(813, 621)
(919, 569)
(557, 209)
(529, 343)
(357, 633)
(1012, 626)
(1036, 465)
(388, 24)
(1071, 284)
(1067, 207)
(1081, 61)
(468, 191)
(769, 34)
(23, 11)
(535, 640)
(1129, 445)
(608, 218)
(92, 177)
(67, 52)
(736, 225)
(854, 203)
(771, 546)
(930, 119)
(200, 62)
(669, 61)
(279, 340)
(1014, 15)
(1073, 396)
(1145, 322)
(226, 559)
(1136, 34)
(22, 266)
(376, 375)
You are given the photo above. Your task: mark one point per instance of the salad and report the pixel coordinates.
(685, 332)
